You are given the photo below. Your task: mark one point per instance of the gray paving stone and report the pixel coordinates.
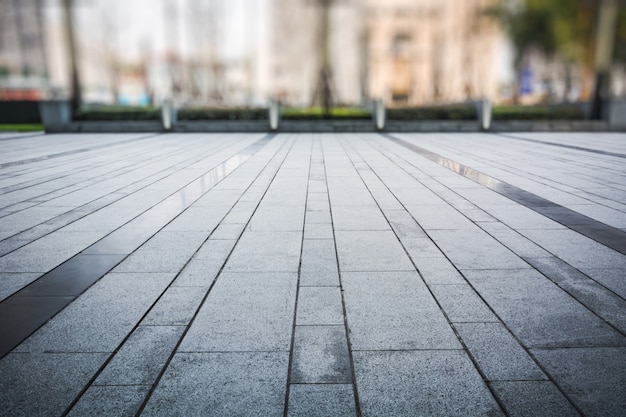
(277, 218)
(43, 384)
(324, 400)
(195, 219)
(519, 244)
(461, 303)
(228, 231)
(318, 230)
(612, 278)
(215, 249)
(154, 260)
(266, 251)
(439, 216)
(320, 356)
(539, 312)
(11, 282)
(361, 217)
(418, 248)
(371, 251)
(199, 273)
(485, 253)
(176, 307)
(48, 252)
(210, 384)
(576, 249)
(101, 317)
(393, 310)
(594, 378)
(404, 225)
(593, 295)
(319, 305)
(433, 383)
(438, 271)
(318, 257)
(499, 356)
(533, 398)
(142, 356)
(318, 217)
(245, 312)
(122, 401)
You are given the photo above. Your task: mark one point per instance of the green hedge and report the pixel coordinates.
(222, 114)
(115, 113)
(454, 112)
(317, 113)
(542, 112)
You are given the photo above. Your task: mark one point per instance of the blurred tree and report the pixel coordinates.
(75, 91)
(562, 30)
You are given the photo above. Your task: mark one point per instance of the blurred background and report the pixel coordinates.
(244, 53)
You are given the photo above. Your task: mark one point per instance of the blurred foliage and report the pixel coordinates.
(222, 114)
(540, 112)
(316, 113)
(21, 127)
(113, 113)
(563, 28)
(451, 112)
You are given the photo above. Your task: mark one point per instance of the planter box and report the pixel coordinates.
(55, 115)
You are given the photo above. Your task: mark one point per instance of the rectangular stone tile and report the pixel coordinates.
(438, 271)
(499, 355)
(142, 356)
(540, 313)
(43, 384)
(576, 249)
(48, 252)
(228, 231)
(519, 244)
(104, 401)
(404, 225)
(245, 312)
(418, 248)
(371, 251)
(11, 282)
(438, 383)
(321, 400)
(320, 356)
(363, 217)
(474, 249)
(101, 317)
(176, 307)
(199, 273)
(439, 216)
(266, 251)
(394, 310)
(461, 303)
(215, 249)
(599, 299)
(318, 217)
(318, 257)
(611, 277)
(277, 218)
(318, 231)
(153, 261)
(533, 398)
(195, 219)
(592, 377)
(222, 384)
(319, 305)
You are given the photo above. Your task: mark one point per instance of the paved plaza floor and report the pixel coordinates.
(313, 274)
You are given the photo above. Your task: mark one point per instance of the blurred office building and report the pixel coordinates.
(405, 52)
(23, 61)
